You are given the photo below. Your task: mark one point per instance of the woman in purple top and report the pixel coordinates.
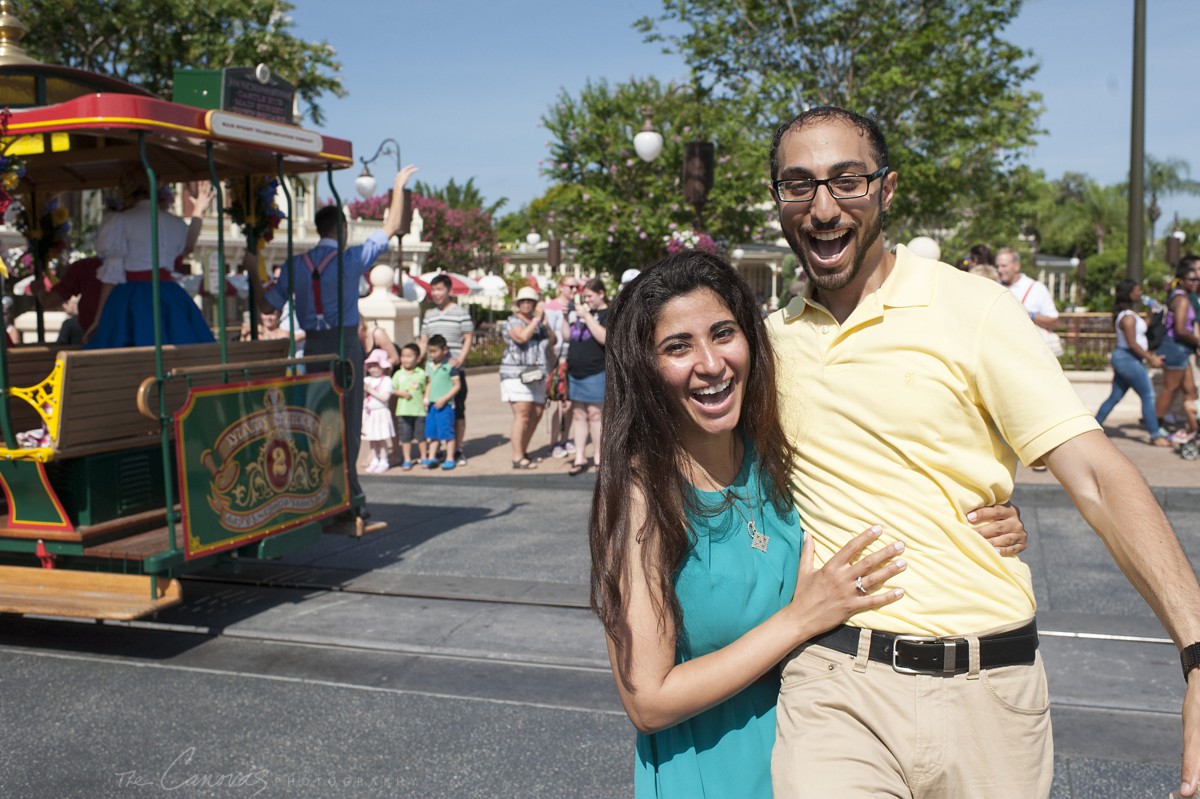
(1178, 346)
(585, 369)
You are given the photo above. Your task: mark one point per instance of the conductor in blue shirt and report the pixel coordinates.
(316, 298)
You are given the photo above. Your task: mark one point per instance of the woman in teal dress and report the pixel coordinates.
(700, 574)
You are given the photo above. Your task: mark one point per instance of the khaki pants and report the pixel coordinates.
(849, 727)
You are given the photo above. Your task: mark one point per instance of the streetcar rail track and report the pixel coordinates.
(439, 587)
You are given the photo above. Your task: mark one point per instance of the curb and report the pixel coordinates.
(1168, 497)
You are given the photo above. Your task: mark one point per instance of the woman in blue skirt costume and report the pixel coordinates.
(125, 317)
(700, 572)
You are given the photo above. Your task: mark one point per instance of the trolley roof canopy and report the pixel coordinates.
(87, 142)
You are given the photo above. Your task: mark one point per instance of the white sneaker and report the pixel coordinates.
(558, 452)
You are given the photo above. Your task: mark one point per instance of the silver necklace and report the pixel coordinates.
(758, 539)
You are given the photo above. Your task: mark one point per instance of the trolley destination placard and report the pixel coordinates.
(259, 458)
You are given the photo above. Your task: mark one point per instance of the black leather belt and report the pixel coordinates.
(919, 654)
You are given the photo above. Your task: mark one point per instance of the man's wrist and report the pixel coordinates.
(1189, 659)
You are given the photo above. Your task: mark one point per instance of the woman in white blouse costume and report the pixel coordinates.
(125, 317)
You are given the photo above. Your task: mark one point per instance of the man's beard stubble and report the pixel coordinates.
(839, 280)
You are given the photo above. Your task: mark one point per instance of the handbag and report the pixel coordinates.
(532, 374)
(556, 383)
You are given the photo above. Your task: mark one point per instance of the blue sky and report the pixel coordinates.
(462, 84)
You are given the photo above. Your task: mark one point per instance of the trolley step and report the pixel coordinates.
(86, 595)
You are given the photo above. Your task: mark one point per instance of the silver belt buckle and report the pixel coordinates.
(916, 639)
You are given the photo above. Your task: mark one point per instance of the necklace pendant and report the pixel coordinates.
(757, 540)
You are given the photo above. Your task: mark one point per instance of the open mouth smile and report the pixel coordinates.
(827, 246)
(714, 395)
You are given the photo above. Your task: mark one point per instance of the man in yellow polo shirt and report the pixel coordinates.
(910, 390)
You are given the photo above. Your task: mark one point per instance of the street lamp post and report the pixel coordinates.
(365, 185)
(1175, 245)
(697, 162)
(1137, 148)
(648, 142)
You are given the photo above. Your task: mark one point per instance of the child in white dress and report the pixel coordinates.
(377, 427)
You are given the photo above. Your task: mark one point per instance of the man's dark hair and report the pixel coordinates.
(437, 340)
(441, 280)
(982, 254)
(829, 113)
(1190, 261)
(326, 220)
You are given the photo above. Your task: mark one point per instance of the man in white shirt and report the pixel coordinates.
(1032, 294)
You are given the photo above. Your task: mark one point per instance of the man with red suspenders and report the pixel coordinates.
(1032, 294)
(316, 297)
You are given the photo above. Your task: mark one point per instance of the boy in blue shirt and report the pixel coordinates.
(444, 382)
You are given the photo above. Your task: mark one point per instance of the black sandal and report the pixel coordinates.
(524, 463)
(577, 469)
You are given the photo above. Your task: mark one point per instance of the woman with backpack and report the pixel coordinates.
(1178, 346)
(1130, 359)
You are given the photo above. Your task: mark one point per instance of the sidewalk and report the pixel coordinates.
(1162, 467)
(489, 422)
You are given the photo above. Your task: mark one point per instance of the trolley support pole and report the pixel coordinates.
(291, 221)
(219, 194)
(156, 296)
(341, 264)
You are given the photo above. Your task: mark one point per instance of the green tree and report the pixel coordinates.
(946, 87)
(1165, 177)
(1106, 209)
(1015, 207)
(463, 197)
(143, 41)
(462, 238)
(537, 216)
(618, 211)
(1076, 215)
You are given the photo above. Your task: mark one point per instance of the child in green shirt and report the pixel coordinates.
(444, 382)
(408, 384)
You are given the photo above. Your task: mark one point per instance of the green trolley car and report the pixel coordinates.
(160, 460)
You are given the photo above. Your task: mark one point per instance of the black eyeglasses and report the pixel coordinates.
(843, 187)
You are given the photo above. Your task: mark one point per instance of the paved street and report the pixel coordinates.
(452, 655)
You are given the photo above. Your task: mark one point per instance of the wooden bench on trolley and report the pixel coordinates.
(97, 489)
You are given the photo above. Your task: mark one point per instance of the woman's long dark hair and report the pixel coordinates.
(1123, 297)
(641, 445)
